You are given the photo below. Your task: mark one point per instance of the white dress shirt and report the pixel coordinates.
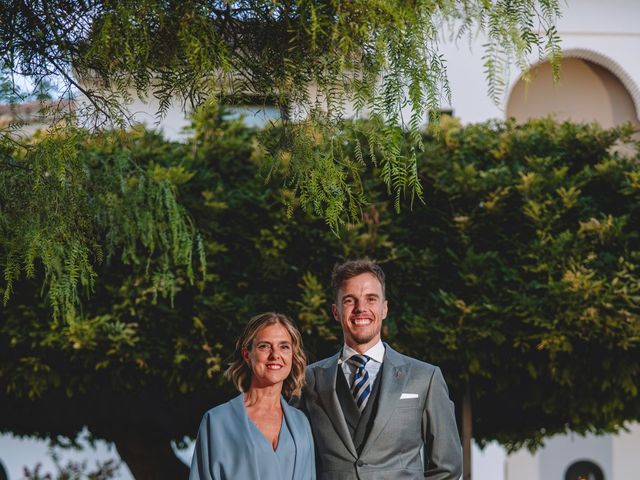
(375, 354)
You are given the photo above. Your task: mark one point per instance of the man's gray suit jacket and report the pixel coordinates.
(413, 411)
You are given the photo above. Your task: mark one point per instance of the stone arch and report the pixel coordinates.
(611, 65)
(613, 95)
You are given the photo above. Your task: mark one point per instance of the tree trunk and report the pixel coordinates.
(466, 435)
(150, 458)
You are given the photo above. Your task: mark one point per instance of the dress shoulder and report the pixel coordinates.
(293, 413)
(228, 413)
(219, 411)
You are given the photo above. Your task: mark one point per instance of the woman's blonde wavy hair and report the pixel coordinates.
(239, 373)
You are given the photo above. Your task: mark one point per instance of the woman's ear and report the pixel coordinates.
(245, 355)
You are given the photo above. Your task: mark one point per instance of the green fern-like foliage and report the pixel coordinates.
(67, 209)
(316, 59)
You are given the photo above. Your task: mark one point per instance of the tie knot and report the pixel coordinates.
(359, 360)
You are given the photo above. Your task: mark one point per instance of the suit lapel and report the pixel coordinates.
(326, 383)
(394, 377)
(347, 403)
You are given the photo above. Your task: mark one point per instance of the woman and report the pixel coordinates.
(257, 435)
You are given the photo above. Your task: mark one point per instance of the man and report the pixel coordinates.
(377, 414)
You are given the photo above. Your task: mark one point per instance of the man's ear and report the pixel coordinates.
(385, 309)
(334, 310)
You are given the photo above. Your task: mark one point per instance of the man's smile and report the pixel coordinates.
(361, 321)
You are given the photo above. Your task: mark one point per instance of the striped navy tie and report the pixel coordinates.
(361, 386)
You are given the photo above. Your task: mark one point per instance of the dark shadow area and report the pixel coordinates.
(584, 470)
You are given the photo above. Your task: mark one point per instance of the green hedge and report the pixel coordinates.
(517, 274)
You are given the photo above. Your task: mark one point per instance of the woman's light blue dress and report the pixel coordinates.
(231, 447)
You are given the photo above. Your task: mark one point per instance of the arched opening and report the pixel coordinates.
(586, 92)
(584, 470)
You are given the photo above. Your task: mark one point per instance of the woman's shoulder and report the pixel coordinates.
(224, 410)
(294, 414)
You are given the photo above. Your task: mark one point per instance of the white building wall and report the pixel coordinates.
(469, 99)
(172, 124)
(626, 454)
(521, 465)
(609, 29)
(487, 463)
(617, 455)
(17, 453)
(561, 451)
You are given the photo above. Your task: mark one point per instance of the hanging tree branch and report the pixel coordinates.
(370, 56)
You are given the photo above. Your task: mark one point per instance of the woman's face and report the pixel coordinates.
(270, 356)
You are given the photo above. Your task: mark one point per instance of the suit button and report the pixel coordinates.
(360, 463)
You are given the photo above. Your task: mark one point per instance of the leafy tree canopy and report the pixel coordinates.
(527, 259)
(519, 276)
(374, 56)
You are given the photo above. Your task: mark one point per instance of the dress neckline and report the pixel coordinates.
(257, 430)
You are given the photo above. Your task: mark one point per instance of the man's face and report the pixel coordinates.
(360, 309)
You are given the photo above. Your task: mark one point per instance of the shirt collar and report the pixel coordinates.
(374, 353)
